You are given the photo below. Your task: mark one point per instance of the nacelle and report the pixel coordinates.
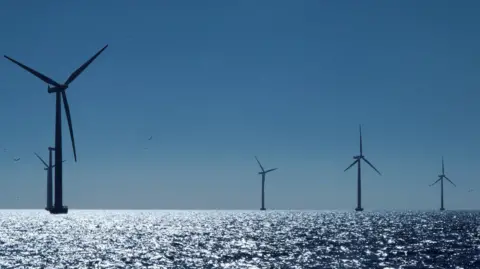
(56, 89)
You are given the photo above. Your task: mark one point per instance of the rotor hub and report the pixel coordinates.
(56, 89)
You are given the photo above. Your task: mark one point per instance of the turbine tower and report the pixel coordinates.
(263, 173)
(357, 161)
(59, 90)
(440, 178)
(48, 168)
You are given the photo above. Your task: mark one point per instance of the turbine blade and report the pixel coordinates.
(371, 165)
(41, 159)
(82, 68)
(271, 170)
(69, 119)
(351, 165)
(443, 167)
(35, 73)
(449, 181)
(361, 146)
(435, 182)
(261, 167)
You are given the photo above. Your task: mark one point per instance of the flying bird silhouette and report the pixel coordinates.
(150, 138)
(16, 159)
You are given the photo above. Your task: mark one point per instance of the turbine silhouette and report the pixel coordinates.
(440, 179)
(263, 173)
(357, 161)
(48, 168)
(60, 94)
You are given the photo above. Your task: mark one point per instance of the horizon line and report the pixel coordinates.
(225, 209)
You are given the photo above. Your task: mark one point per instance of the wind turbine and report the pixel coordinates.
(263, 173)
(358, 160)
(48, 168)
(440, 178)
(59, 90)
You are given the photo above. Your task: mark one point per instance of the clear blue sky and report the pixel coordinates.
(217, 82)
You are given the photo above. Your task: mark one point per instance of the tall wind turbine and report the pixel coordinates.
(358, 160)
(263, 173)
(48, 168)
(59, 90)
(440, 178)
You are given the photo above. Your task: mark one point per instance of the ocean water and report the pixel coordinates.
(239, 239)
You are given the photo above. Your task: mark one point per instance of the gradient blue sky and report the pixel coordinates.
(217, 82)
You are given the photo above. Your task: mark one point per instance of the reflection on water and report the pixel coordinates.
(239, 239)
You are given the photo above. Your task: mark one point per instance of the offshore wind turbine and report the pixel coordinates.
(48, 168)
(59, 90)
(358, 160)
(440, 178)
(263, 173)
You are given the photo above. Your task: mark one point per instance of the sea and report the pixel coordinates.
(239, 239)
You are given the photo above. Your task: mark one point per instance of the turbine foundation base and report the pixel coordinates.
(441, 209)
(59, 210)
(358, 209)
(262, 209)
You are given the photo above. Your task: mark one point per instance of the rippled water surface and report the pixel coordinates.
(239, 239)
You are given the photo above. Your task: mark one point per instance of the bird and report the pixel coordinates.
(150, 138)
(16, 159)
(470, 190)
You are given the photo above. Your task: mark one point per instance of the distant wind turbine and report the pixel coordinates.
(59, 90)
(263, 173)
(440, 178)
(48, 168)
(357, 161)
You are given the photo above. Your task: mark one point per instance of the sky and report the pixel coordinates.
(216, 83)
